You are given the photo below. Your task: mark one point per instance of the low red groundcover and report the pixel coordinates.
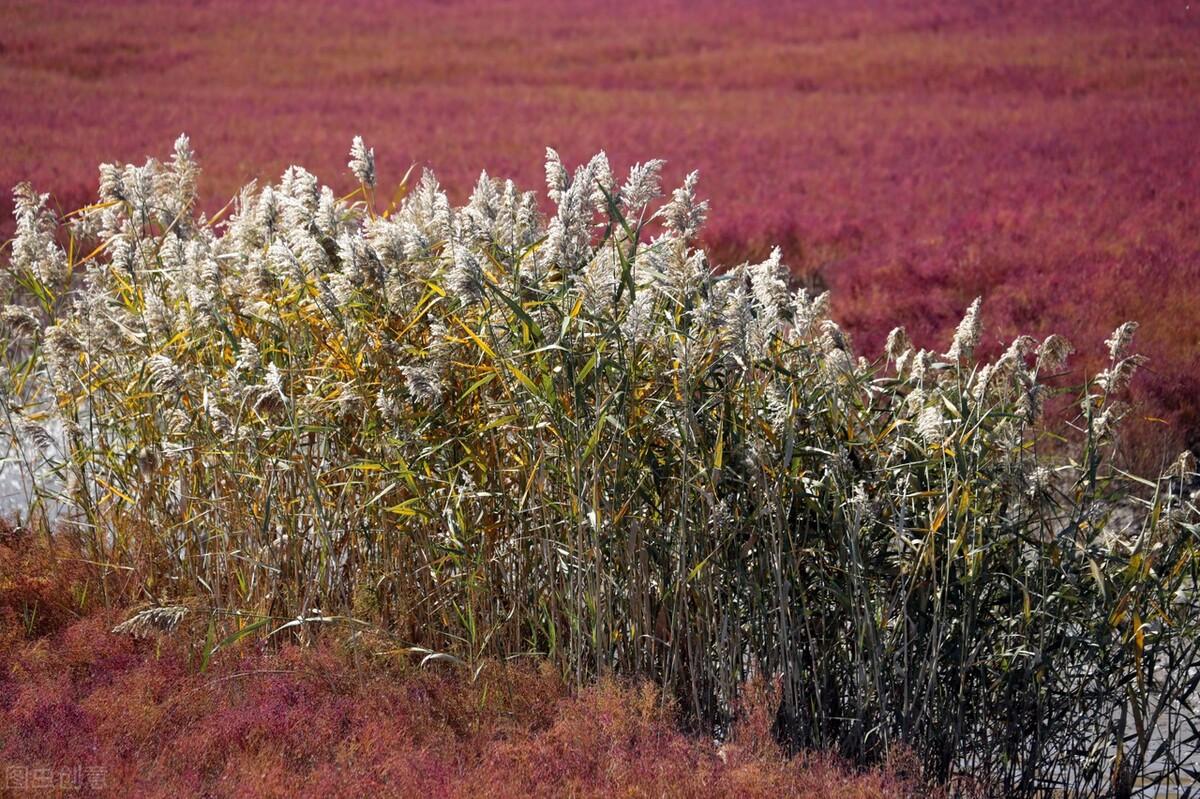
(87, 712)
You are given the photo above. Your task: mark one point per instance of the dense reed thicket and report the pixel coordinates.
(493, 435)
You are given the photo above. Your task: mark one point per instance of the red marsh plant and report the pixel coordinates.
(84, 711)
(487, 433)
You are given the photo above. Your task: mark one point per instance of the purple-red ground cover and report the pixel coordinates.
(910, 155)
(86, 712)
(915, 155)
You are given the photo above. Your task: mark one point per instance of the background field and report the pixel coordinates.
(913, 156)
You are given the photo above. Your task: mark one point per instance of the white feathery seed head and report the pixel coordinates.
(557, 178)
(966, 337)
(1053, 353)
(642, 185)
(769, 286)
(931, 424)
(424, 384)
(683, 215)
(897, 344)
(1118, 343)
(362, 162)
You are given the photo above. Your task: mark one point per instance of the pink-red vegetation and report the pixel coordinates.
(914, 155)
(99, 714)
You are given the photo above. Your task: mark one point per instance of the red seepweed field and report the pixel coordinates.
(455, 555)
(84, 712)
(913, 155)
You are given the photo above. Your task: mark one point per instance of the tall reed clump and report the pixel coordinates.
(495, 435)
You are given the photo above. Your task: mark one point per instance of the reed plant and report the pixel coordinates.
(493, 432)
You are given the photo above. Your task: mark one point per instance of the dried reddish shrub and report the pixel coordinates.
(41, 583)
(135, 717)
